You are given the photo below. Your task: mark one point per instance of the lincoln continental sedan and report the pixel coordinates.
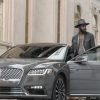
(45, 71)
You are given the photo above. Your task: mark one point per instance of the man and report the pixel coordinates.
(83, 40)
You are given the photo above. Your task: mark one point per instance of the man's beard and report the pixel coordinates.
(83, 31)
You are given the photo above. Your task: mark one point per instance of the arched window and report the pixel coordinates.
(77, 15)
(78, 12)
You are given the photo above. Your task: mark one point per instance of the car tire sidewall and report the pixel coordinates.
(54, 87)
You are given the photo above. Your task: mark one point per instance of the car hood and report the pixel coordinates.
(24, 64)
(21, 63)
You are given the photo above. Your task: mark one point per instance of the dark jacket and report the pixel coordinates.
(88, 43)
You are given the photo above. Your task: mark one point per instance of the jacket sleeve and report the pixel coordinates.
(92, 41)
(73, 48)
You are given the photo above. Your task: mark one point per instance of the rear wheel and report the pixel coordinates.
(59, 91)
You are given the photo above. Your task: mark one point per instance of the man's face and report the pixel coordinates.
(82, 28)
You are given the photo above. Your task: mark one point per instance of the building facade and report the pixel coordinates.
(32, 21)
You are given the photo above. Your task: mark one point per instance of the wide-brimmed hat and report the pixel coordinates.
(81, 22)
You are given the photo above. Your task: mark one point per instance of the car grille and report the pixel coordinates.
(10, 73)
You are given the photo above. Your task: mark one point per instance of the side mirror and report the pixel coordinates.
(81, 59)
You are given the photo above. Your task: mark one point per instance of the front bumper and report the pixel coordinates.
(11, 93)
(24, 89)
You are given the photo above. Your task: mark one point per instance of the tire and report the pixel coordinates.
(59, 90)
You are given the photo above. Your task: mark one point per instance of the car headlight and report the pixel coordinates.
(40, 71)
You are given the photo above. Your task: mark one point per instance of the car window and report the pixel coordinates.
(70, 54)
(24, 52)
(49, 52)
(14, 52)
(58, 54)
(91, 55)
(34, 52)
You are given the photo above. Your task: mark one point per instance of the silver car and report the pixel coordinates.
(45, 71)
(35, 71)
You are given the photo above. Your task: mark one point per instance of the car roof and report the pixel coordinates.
(43, 44)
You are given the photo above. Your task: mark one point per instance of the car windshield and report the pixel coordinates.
(49, 52)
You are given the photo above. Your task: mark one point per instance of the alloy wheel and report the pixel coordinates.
(60, 92)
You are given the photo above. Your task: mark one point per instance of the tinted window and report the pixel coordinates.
(92, 55)
(24, 52)
(59, 54)
(48, 52)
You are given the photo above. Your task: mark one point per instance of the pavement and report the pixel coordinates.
(73, 98)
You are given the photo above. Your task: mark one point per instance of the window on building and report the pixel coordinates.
(77, 16)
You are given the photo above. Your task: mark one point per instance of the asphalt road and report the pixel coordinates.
(74, 98)
(71, 98)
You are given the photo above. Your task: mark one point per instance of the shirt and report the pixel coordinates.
(80, 44)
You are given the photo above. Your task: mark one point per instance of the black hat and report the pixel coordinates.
(81, 22)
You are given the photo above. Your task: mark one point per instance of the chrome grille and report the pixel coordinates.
(10, 73)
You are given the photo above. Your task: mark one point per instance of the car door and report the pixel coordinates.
(85, 73)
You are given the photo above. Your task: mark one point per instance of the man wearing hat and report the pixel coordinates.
(83, 40)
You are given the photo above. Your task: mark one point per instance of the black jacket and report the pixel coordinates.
(88, 43)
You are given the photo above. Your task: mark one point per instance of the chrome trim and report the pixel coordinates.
(12, 80)
(38, 95)
(20, 96)
(25, 91)
(10, 92)
(39, 74)
(22, 73)
(9, 80)
(84, 95)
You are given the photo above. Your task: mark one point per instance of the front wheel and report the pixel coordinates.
(59, 91)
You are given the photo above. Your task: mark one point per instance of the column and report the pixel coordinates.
(67, 21)
(44, 21)
(19, 18)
